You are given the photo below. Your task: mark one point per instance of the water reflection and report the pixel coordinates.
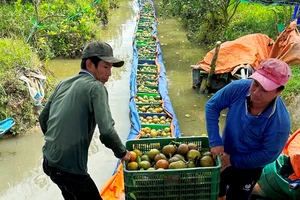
(179, 54)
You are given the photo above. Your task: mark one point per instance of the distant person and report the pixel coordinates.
(68, 122)
(256, 129)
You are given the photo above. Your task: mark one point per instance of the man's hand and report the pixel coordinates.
(127, 156)
(225, 158)
(217, 150)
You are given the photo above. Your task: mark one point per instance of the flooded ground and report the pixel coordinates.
(21, 174)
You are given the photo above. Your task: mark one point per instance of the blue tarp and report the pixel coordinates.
(296, 13)
(162, 87)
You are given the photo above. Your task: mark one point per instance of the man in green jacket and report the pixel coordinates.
(68, 122)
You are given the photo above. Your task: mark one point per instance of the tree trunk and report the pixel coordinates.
(213, 64)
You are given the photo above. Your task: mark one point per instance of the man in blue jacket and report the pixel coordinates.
(256, 129)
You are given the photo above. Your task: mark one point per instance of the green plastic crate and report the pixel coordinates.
(147, 57)
(145, 72)
(152, 114)
(149, 47)
(145, 65)
(156, 126)
(148, 89)
(150, 68)
(148, 95)
(149, 86)
(155, 95)
(150, 105)
(147, 76)
(146, 43)
(201, 183)
(147, 82)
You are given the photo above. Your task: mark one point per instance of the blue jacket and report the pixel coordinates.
(251, 141)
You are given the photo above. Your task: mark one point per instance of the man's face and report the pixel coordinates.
(102, 72)
(260, 96)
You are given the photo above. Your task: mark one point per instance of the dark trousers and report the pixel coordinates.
(72, 186)
(238, 183)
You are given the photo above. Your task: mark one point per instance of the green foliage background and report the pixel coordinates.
(31, 34)
(58, 28)
(206, 24)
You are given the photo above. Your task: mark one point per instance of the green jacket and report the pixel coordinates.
(68, 122)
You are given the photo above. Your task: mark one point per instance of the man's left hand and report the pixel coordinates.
(225, 158)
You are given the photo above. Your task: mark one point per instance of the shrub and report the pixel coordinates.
(17, 57)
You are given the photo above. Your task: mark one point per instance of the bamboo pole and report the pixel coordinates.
(213, 64)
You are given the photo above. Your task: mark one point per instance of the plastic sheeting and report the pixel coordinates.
(273, 183)
(35, 83)
(281, 178)
(292, 149)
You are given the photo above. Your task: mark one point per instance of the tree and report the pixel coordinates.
(206, 20)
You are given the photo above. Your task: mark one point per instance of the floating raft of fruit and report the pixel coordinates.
(163, 164)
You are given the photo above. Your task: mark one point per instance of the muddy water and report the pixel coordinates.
(179, 54)
(21, 176)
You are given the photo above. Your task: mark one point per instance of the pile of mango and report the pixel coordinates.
(148, 69)
(150, 108)
(151, 132)
(145, 34)
(153, 77)
(146, 89)
(146, 49)
(155, 120)
(147, 99)
(146, 82)
(171, 156)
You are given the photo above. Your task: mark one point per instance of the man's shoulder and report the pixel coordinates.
(242, 82)
(79, 82)
(239, 86)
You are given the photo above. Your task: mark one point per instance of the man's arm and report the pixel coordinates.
(273, 145)
(44, 116)
(221, 100)
(108, 134)
(218, 102)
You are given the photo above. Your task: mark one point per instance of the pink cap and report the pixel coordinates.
(272, 73)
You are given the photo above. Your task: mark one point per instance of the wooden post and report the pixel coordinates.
(213, 64)
(203, 85)
(196, 77)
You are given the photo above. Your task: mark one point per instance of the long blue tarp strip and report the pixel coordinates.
(162, 87)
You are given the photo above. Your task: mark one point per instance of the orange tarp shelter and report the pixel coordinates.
(252, 49)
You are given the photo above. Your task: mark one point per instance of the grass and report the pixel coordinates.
(292, 88)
